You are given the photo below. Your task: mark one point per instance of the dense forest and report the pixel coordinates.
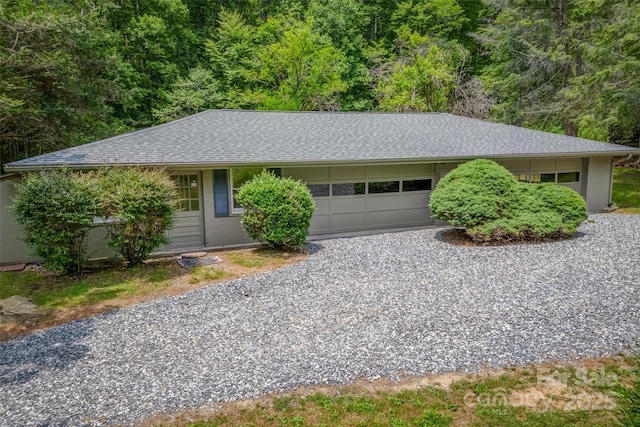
(73, 71)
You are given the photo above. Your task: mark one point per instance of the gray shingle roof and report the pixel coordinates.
(232, 137)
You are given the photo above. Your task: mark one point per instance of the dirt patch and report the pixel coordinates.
(235, 264)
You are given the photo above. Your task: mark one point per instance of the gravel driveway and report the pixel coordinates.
(369, 306)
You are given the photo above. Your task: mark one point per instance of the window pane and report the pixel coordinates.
(235, 202)
(348, 189)
(416, 185)
(188, 192)
(568, 176)
(384, 187)
(523, 177)
(319, 190)
(242, 175)
(548, 177)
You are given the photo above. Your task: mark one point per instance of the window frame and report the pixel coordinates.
(555, 174)
(189, 200)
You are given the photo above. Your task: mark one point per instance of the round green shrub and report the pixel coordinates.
(492, 205)
(474, 193)
(568, 204)
(277, 211)
(56, 210)
(140, 203)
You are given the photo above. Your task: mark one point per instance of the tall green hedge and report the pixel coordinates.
(277, 211)
(487, 200)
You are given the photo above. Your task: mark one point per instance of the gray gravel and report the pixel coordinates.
(370, 306)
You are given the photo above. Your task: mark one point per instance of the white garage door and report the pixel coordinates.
(372, 197)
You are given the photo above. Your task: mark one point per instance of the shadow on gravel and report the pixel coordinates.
(53, 349)
(313, 247)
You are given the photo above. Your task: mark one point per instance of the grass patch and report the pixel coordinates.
(255, 259)
(204, 273)
(484, 401)
(103, 284)
(626, 190)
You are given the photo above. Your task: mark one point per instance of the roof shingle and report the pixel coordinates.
(234, 137)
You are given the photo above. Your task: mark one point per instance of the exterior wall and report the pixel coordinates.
(599, 179)
(222, 231)
(201, 228)
(12, 249)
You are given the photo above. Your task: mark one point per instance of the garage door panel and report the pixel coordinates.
(320, 223)
(570, 164)
(383, 202)
(418, 216)
(387, 203)
(347, 172)
(348, 204)
(348, 221)
(374, 172)
(307, 174)
(415, 200)
(543, 164)
(383, 218)
(323, 206)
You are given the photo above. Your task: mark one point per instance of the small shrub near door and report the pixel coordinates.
(487, 200)
(277, 211)
(139, 205)
(56, 210)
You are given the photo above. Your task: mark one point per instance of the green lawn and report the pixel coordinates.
(626, 190)
(69, 291)
(486, 401)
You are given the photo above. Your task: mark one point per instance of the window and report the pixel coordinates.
(384, 187)
(238, 177)
(522, 177)
(544, 177)
(564, 177)
(416, 185)
(188, 193)
(350, 189)
(319, 190)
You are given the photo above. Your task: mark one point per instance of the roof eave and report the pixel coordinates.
(323, 162)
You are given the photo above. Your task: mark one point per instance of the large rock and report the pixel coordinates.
(18, 308)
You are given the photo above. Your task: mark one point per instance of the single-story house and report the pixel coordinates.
(366, 171)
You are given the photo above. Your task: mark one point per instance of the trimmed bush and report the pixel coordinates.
(474, 193)
(140, 206)
(277, 211)
(485, 199)
(56, 210)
